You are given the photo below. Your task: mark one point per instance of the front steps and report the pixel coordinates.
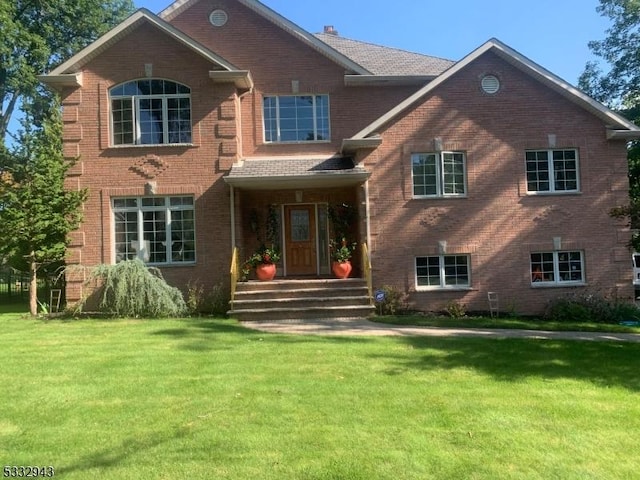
(301, 300)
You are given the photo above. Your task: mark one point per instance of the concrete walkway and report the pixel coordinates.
(361, 327)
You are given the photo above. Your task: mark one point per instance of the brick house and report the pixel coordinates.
(486, 174)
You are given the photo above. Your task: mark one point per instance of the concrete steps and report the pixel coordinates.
(301, 299)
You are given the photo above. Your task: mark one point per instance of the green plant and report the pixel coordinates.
(395, 300)
(590, 308)
(199, 301)
(341, 251)
(455, 309)
(195, 297)
(131, 289)
(264, 254)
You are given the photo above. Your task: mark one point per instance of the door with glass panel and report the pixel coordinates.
(300, 240)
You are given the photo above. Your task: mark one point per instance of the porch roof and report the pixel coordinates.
(298, 172)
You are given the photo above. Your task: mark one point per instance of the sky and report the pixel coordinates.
(552, 33)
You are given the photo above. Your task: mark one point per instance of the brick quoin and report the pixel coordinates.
(497, 223)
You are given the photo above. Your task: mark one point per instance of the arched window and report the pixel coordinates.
(150, 112)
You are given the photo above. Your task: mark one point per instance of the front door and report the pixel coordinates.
(300, 239)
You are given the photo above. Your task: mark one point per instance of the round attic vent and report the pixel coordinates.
(218, 18)
(490, 84)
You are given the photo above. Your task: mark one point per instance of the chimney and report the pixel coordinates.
(329, 30)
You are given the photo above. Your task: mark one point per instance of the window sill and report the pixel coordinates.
(444, 289)
(171, 265)
(302, 142)
(558, 285)
(157, 145)
(553, 194)
(439, 197)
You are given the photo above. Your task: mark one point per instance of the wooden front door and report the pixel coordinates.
(300, 239)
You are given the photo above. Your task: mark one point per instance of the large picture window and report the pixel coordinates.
(552, 171)
(150, 112)
(557, 268)
(443, 271)
(157, 230)
(296, 118)
(441, 174)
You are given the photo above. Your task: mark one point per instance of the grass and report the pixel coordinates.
(501, 322)
(206, 398)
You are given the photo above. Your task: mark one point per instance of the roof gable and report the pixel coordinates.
(179, 6)
(84, 56)
(618, 125)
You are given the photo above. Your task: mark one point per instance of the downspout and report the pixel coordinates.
(367, 213)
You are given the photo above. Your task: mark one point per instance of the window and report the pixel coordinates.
(296, 118)
(557, 268)
(159, 230)
(150, 112)
(440, 174)
(443, 271)
(553, 171)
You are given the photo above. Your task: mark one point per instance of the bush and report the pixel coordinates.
(455, 309)
(590, 308)
(395, 301)
(131, 289)
(215, 302)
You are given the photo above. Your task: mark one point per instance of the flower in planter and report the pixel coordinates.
(264, 255)
(341, 251)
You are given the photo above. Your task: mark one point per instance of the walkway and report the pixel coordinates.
(361, 327)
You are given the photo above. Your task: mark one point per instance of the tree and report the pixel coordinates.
(38, 35)
(619, 88)
(36, 211)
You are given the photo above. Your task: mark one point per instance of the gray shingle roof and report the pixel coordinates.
(381, 60)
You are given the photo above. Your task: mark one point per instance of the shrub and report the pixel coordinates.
(395, 301)
(131, 289)
(215, 302)
(590, 308)
(455, 309)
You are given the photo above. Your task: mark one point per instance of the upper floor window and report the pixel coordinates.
(150, 112)
(555, 268)
(440, 174)
(296, 118)
(552, 171)
(159, 230)
(443, 271)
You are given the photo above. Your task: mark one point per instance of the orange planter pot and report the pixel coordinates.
(266, 271)
(341, 269)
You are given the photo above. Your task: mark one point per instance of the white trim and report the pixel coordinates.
(552, 171)
(442, 274)
(518, 61)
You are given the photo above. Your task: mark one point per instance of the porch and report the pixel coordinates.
(300, 207)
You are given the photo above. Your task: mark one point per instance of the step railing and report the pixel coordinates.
(234, 272)
(366, 267)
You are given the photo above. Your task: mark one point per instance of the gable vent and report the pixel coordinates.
(218, 18)
(490, 84)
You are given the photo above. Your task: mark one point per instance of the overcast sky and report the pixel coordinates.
(552, 33)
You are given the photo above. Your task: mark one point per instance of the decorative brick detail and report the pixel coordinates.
(226, 130)
(74, 256)
(70, 150)
(77, 169)
(70, 114)
(72, 97)
(150, 167)
(227, 111)
(229, 148)
(72, 133)
(76, 239)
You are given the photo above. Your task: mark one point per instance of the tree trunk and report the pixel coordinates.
(33, 285)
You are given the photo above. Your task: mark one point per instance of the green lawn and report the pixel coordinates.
(206, 398)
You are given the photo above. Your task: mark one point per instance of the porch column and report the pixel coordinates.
(233, 217)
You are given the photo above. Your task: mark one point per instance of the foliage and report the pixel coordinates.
(36, 211)
(264, 254)
(38, 35)
(199, 301)
(455, 309)
(590, 308)
(395, 300)
(620, 86)
(131, 289)
(341, 251)
(343, 219)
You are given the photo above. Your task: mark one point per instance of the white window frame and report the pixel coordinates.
(316, 119)
(553, 181)
(136, 116)
(440, 174)
(141, 247)
(443, 273)
(539, 277)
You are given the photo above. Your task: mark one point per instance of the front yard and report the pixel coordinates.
(206, 398)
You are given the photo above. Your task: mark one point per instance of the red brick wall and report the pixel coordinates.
(498, 224)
